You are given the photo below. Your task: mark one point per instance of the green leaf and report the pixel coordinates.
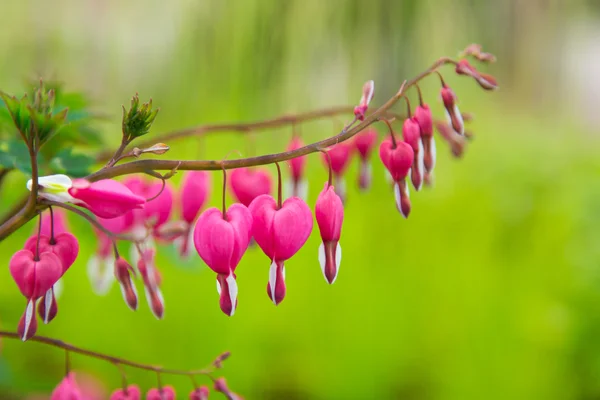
(75, 165)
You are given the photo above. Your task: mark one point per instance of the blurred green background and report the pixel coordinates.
(491, 290)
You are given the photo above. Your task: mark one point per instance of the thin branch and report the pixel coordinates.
(113, 360)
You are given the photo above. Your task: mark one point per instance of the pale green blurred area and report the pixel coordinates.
(491, 290)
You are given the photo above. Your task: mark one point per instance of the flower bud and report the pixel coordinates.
(132, 392)
(106, 198)
(200, 393)
(367, 95)
(453, 114)
(329, 212)
(123, 271)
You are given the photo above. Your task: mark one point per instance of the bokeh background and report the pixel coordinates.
(491, 290)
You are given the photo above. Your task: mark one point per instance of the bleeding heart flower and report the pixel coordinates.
(132, 392)
(247, 184)
(425, 120)
(165, 393)
(364, 143)
(152, 280)
(195, 190)
(221, 387)
(123, 272)
(106, 198)
(453, 114)
(200, 393)
(398, 159)
(367, 95)
(411, 132)
(340, 155)
(67, 389)
(329, 212)
(158, 210)
(34, 276)
(280, 232)
(486, 81)
(298, 185)
(221, 241)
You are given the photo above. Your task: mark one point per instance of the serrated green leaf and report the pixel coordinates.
(75, 165)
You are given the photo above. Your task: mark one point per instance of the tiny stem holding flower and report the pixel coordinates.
(330, 178)
(37, 242)
(52, 240)
(279, 189)
(224, 192)
(389, 125)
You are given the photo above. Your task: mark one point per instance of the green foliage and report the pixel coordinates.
(15, 155)
(138, 120)
(74, 165)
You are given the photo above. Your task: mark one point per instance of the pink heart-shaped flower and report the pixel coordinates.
(247, 184)
(35, 277)
(65, 246)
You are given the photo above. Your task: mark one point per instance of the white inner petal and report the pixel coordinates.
(28, 316)
(322, 259)
(53, 183)
(433, 152)
(421, 163)
(47, 305)
(397, 196)
(460, 119)
(338, 261)
(233, 292)
(218, 287)
(273, 279)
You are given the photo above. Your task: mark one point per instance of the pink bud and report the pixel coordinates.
(152, 280)
(123, 271)
(48, 308)
(297, 186)
(340, 157)
(65, 246)
(132, 392)
(452, 112)
(158, 210)
(195, 190)
(166, 393)
(486, 81)
(367, 95)
(200, 393)
(67, 389)
(398, 161)
(221, 387)
(329, 212)
(106, 198)
(247, 184)
(221, 241)
(280, 233)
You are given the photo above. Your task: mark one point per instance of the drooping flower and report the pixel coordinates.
(221, 241)
(221, 387)
(340, 155)
(453, 115)
(398, 159)
(280, 231)
(195, 190)
(411, 132)
(164, 393)
(486, 81)
(425, 120)
(158, 210)
(249, 183)
(297, 186)
(132, 392)
(152, 280)
(364, 143)
(329, 212)
(67, 389)
(200, 393)
(367, 94)
(123, 272)
(34, 276)
(106, 198)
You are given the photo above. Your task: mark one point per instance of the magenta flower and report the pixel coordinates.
(411, 132)
(106, 198)
(158, 210)
(221, 241)
(280, 231)
(329, 212)
(364, 143)
(486, 81)
(249, 183)
(453, 115)
(425, 120)
(67, 389)
(123, 272)
(195, 190)
(200, 393)
(398, 159)
(152, 280)
(340, 159)
(164, 393)
(298, 185)
(367, 95)
(221, 387)
(34, 276)
(132, 392)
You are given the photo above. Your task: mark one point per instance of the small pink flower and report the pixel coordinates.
(329, 212)
(200, 393)
(158, 210)
(367, 95)
(195, 190)
(152, 280)
(132, 392)
(249, 183)
(411, 132)
(453, 114)
(221, 241)
(340, 155)
(106, 198)
(425, 120)
(398, 161)
(67, 389)
(486, 81)
(123, 271)
(34, 277)
(298, 187)
(165, 393)
(364, 143)
(221, 387)
(280, 232)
